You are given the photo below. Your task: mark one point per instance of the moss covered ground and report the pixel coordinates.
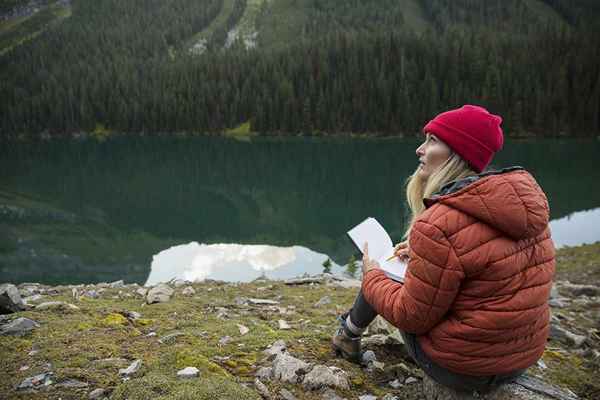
(77, 343)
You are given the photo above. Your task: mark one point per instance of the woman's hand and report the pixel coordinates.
(367, 263)
(401, 251)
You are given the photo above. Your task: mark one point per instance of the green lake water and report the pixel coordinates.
(146, 209)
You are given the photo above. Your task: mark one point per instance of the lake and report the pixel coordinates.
(148, 209)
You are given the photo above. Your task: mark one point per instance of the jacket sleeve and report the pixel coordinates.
(432, 280)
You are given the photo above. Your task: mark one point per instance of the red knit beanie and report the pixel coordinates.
(471, 131)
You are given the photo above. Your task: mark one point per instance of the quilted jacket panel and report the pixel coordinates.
(479, 276)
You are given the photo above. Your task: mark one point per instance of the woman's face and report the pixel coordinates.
(432, 153)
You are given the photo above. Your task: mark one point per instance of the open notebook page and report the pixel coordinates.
(380, 247)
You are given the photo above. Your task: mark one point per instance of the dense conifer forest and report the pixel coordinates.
(297, 66)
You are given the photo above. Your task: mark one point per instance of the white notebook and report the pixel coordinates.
(380, 247)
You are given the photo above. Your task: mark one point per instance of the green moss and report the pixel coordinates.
(189, 359)
(114, 320)
(163, 387)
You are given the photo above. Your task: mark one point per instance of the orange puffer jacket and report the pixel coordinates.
(479, 277)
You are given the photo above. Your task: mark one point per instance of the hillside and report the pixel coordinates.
(296, 66)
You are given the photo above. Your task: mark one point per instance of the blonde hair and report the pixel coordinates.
(417, 188)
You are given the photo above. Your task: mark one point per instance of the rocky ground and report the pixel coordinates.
(265, 339)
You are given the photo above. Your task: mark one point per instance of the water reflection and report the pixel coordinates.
(234, 262)
(576, 228)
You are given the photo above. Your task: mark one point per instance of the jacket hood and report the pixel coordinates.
(509, 200)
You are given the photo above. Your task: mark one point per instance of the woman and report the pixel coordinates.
(473, 308)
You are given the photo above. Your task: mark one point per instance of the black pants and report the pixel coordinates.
(362, 314)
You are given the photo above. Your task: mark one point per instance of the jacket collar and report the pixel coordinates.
(456, 185)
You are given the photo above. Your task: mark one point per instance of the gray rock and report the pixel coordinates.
(276, 348)
(262, 389)
(131, 370)
(31, 299)
(389, 396)
(525, 388)
(264, 373)
(558, 302)
(18, 327)
(92, 294)
(410, 380)
(56, 305)
(287, 395)
(180, 282)
(303, 281)
(188, 372)
(10, 299)
(224, 340)
(330, 394)
(367, 397)
(262, 301)
(188, 291)
(580, 290)
(380, 326)
(289, 369)
(96, 394)
(159, 294)
(116, 284)
(142, 292)
(554, 292)
(323, 301)
(131, 315)
(368, 357)
(36, 381)
(380, 340)
(170, 338)
(321, 376)
(395, 384)
(559, 333)
(283, 325)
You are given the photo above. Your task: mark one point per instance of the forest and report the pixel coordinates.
(377, 67)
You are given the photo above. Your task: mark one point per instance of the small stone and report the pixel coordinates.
(262, 301)
(557, 332)
(179, 283)
(289, 369)
(36, 381)
(159, 294)
(410, 380)
(580, 290)
(367, 397)
(243, 329)
(24, 368)
(10, 299)
(170, 338)
(283, 325)
(323, 301)
(262, 389)
(18, 327)
(389, 396)
(96, 394)
(379, 326)
(132, 315)
(395, 384)
(287, 395)
(116, 284)
(330, 394)
(557, 303)
(276, 348)
(188, 291)
(30, 299)
(224, 340)
(92, 294)
(264, 373)
(321, 376)
(132, 369)
(188, 372)
(142, 292)
(368, 357)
